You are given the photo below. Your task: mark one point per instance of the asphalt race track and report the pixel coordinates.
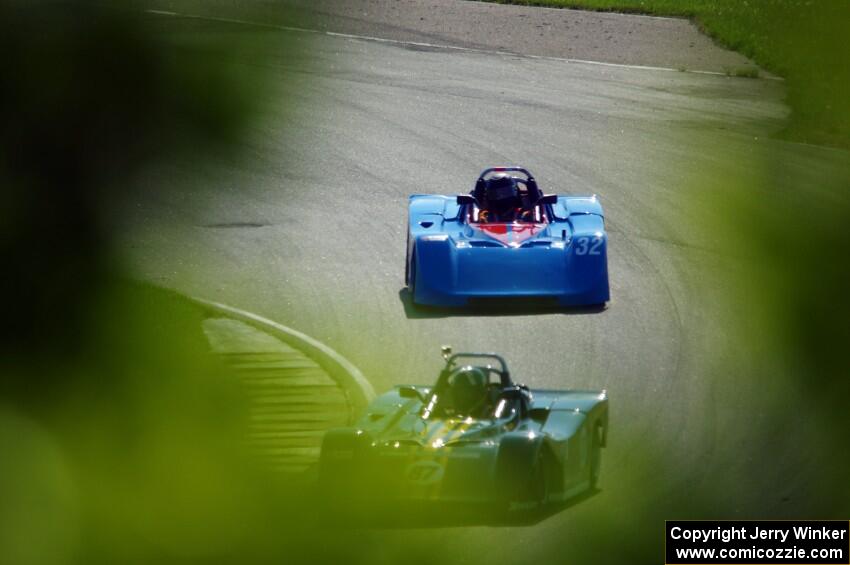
(308, 228)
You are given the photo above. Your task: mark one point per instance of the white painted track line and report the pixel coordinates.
(436, 45)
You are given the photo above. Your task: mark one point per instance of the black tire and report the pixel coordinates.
(541, 486)
(534, 493)
(407, 263)
(340, 483)
(595, 455)
(411, 283)
(410, 277)
(522, 480)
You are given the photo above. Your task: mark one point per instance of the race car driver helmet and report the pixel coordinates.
(468, 386)
(502, 193)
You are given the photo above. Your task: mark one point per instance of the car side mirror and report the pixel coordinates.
(538, 415)
(463, 199)
(548, 199)
(410, 392)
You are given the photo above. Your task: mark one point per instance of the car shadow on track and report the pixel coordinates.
(495, 307)
(453, 516)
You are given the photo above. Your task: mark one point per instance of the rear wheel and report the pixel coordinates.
(595, 456)
(407, 263)
(542, 479)
(534, 492)
(411, 277)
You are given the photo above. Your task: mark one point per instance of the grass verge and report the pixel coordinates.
(800, 40)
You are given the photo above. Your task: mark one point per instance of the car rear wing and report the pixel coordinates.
(522, 170)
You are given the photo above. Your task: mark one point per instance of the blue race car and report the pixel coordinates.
(506, 239)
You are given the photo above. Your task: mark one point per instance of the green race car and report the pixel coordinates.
(475, 436)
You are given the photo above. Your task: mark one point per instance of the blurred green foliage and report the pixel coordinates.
(122, 437)
(793, 219)
(89, 96)
(804, 41)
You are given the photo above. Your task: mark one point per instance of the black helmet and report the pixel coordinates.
(502, 191)
(468, 388)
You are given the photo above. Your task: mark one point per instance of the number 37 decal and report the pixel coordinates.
(588, 245)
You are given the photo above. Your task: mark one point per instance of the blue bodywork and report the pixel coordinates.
(451, 259)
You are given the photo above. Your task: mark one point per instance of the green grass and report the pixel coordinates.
(803, 41)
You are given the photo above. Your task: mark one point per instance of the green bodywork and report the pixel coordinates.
(398, 451)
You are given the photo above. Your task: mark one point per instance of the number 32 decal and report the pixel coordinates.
(588, 245)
